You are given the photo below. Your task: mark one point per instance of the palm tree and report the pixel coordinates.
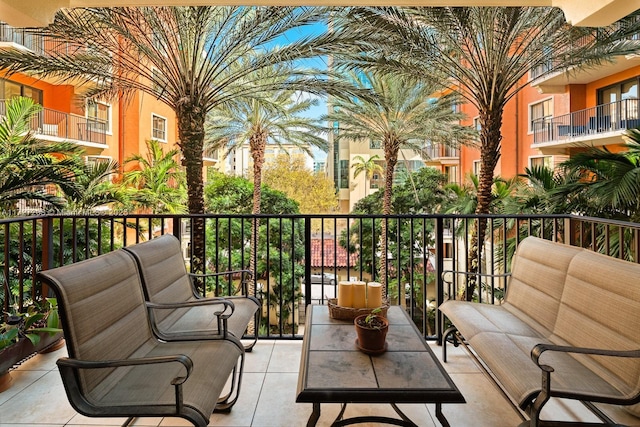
(606, 182)
(95, 188)
(488, 52)
(28, 165)
(404, 114)
(369, 166)
(272, 119)
(275, 119)
(157, 180)
(193, 59)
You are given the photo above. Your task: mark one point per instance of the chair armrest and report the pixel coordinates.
(195, 303)
(538, 349)
(81, 402)
(221, 317)
(246, 276)
(66, 362)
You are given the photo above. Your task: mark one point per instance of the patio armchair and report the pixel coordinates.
(165, 280)
(116, 366)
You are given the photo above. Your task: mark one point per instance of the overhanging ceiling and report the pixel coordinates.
(595, 13)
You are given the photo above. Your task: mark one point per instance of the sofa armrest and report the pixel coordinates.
(221, 316)
(246, 276)
(68, 367)
(539, 349)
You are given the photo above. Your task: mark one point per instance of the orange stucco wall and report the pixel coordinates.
(516, 137)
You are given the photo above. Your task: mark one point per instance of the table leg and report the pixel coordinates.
(315, 415)
(440, 416)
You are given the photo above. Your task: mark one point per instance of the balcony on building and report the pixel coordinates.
(53, 125)
(596, 126)
(440, 154)
(546, 80)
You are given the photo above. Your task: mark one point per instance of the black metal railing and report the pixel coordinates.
(22, 37)
(66, 126)
(418, 249)
(615, 116)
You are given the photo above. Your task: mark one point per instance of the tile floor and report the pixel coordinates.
(267, 399)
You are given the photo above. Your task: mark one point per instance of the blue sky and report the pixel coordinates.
(295, 34)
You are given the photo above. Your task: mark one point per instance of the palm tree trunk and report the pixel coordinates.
(490, 138)
(391, 156)
(257, 143)
(191, 118)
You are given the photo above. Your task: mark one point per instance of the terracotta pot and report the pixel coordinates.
(371, 340)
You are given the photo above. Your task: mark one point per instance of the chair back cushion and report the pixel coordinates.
(164, 274)
(102, 310)
(600, 308)
(537, 279)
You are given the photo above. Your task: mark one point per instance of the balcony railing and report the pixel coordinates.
(22, 37)
(418, 249)
(66, 126)
(616, 116)
(438, 151)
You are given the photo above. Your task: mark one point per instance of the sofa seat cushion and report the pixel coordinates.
(150, 385)
(201, 320)
(472, 318)
(508, 357)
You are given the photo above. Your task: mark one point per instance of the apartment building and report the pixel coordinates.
(239, 162)
(559, 114)
(343, 154)
(107, 129)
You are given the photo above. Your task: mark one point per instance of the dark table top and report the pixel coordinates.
(332, 369)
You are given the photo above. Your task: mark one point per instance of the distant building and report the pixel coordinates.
(240, 163)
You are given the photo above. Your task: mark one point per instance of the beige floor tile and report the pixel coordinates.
(458, 359)
(242, 413)
(21, 380)
(43, 401)
(44, 362)
(277, 405)
(285, 356)
(258, 359)
(485, 405)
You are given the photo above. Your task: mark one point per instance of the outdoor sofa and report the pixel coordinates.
(569, 327)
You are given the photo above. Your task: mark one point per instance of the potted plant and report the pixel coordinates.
(26, 333)
(372, 332)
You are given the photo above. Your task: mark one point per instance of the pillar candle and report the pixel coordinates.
(374, 294)
(345, 294)
(359, 294)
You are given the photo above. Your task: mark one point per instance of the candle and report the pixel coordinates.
(345, 294)
(374, 295)
(359, 294)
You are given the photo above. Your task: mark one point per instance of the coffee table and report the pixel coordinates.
(333, 370)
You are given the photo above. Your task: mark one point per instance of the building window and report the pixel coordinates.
(9, 89)
(477, 166)
(158, 128)
(541, 161)
(539, 113)
(375, 145)
(452, 174)
(98, 116)
(344, 173)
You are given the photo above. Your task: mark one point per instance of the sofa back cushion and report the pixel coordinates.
(102, 310)
(600, 308)
(164, 274)
(537, 279)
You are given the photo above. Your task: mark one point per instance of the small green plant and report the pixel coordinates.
(31, 324)
(373, 320)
